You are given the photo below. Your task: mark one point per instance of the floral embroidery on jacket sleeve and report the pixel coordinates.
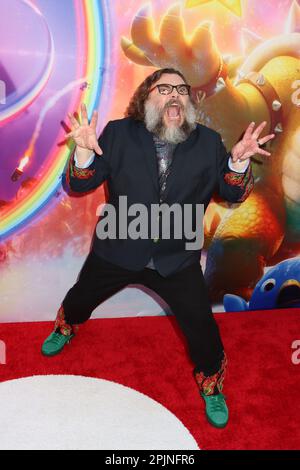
(81, 173)
(242, 180)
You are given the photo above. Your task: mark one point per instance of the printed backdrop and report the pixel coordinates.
(57, 54)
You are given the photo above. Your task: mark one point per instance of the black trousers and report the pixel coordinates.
(185, 292)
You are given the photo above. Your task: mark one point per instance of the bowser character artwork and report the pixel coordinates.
(262, 84)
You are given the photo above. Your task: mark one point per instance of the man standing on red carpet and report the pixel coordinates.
(158, 155)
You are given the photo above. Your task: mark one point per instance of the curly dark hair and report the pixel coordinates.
(136, 108)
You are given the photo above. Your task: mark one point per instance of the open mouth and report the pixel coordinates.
(289, 294)
(174, 112)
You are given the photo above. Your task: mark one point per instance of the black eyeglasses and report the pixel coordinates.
(167, 89)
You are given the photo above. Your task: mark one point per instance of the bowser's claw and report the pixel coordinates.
(197, 58)
(133, 53)
(172, 32)
(143, 34)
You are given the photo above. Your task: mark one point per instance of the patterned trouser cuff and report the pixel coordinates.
(62, 325)
(213, 383)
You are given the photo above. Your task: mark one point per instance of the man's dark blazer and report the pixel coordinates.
(129, 167)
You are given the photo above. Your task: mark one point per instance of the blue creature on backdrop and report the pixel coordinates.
(278, 288)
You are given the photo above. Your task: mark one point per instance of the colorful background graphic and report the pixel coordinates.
(55, 55)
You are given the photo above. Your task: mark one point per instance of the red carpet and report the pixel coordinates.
(148, 354)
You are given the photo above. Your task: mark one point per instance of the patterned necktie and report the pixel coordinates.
(164, 153)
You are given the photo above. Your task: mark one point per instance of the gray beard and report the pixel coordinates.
(172, 134)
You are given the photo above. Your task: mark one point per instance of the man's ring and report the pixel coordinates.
(258, 143)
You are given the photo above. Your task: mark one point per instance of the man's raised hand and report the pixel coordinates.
(250, 144)
(84, 133)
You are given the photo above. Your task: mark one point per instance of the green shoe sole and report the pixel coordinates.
(216, 425)
(55, 343)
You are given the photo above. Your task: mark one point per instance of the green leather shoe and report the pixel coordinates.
(55, 343)
(216, 409)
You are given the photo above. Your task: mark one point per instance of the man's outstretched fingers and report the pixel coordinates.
(94, 120)
(259, 129)
(265, 139)
(249, 130)
(84, 115)
(74, 121)
(263, 152)
(98, 150)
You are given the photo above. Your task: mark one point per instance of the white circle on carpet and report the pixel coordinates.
(68, 412)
